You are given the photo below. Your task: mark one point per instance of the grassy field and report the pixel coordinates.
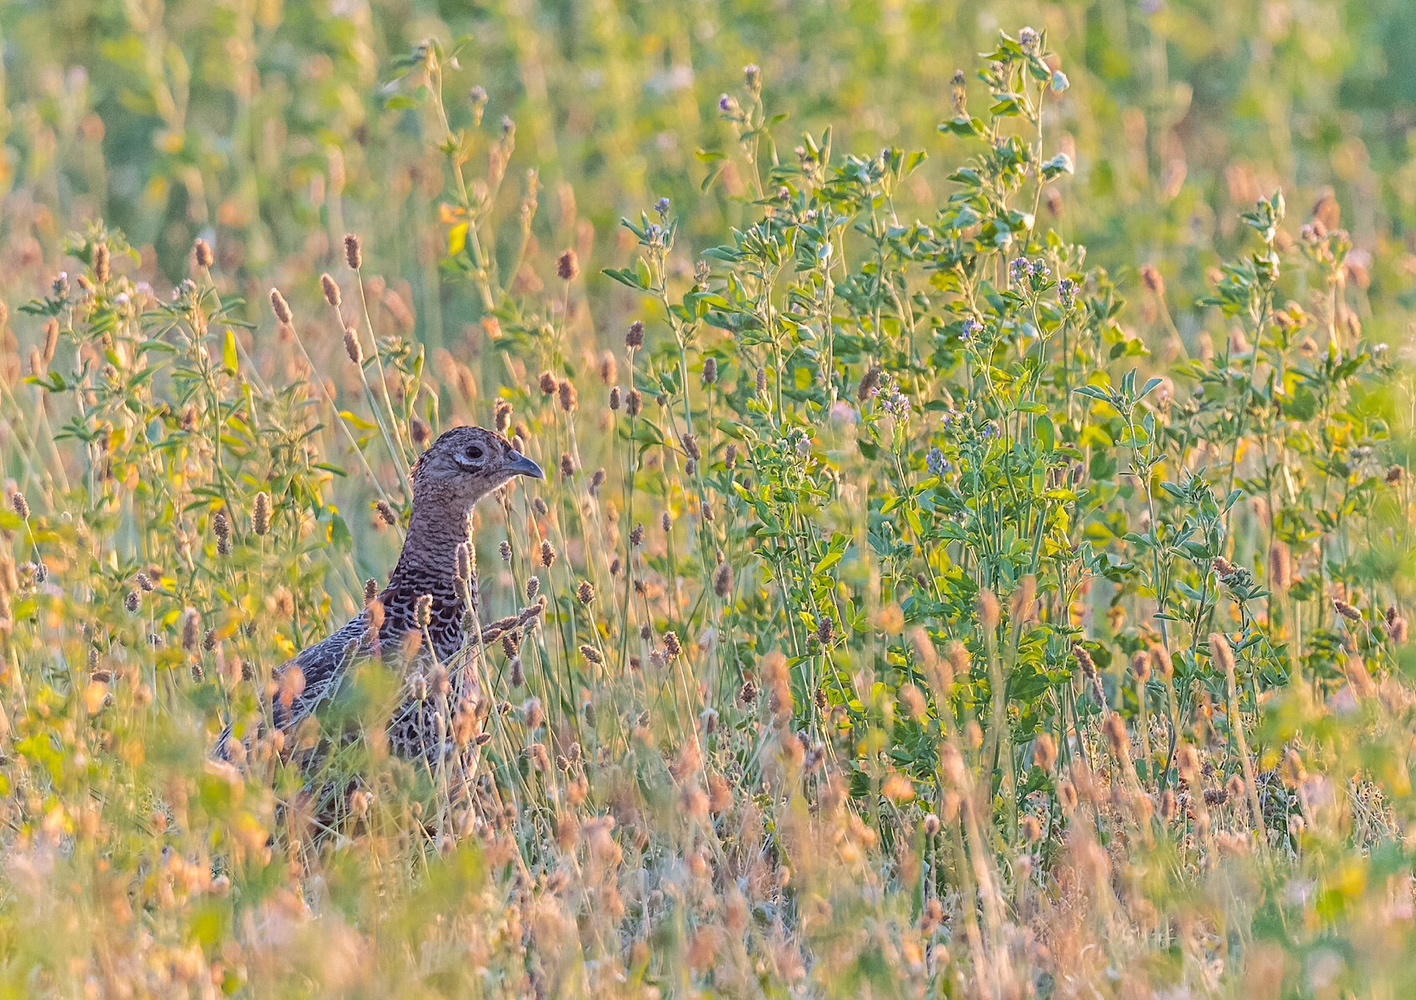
(976, 553)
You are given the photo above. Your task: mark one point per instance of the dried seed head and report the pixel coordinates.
(1235, 787)
(1031, 829)
(585, 593)
(615, 397)
(1396, 626)
(666, 522)
(352, 347)
(423, 610)
(989, 613)
(1346, 610)
(1223, 653)
(548, 383)
(1280, 567)
(762, 381)
(1160, 659)
(260, 514)
(567, 466)
(548, 553)
(1117, 737)
(331, 290)
(133, 601)
(567, 266)
(869, 382)
(672, 646)
(420, 432)
(280, 307)
(633, 403)
(591, 654)
(1067, 795)
(465, 560)
(690, 445)
(502, 416)
(191, 630)
(533, 587)
(504, 549)
(221, 528)
(371, 591)
(609, 368)
(634, 336)
(596, 481)
(353, 252)
(1141, 666)
(730, 457)
(20, 504)
(723, 581)
(539, 506)
(1151, 278)
(1045, 752)
(636, 535)
(567, 395)
(386, 513)
(201, 253)
(825, 630)
(1169, 806)
(102, 264)
(710, 371)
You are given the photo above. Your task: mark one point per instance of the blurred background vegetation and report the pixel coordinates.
(271, 128)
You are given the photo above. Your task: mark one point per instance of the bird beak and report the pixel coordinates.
(522, 466)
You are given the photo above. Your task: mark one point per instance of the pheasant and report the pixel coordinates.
(459, 469)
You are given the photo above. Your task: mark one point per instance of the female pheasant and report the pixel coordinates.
(459, 469)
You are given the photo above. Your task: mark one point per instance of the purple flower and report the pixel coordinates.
(971, 330)
(989, 432)
(895, 402)
(938, 464)
(1067, 293)
(1020, 268)
(727, 104)
(662, 207)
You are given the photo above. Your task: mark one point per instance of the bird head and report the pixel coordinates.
(467, 463)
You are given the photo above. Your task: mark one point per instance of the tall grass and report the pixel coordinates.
(914, 624)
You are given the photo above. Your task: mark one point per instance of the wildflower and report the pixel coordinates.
(280, 307)
(972, 329)
(1028, 39)
(201, 252)
(752, 77)
(661, 208)
(727, 104)
(331, 290)
(567, 266)
(1020, 269)
(260, 513)
(353, 252)
(1067, 293)
(634, 336)
(895, 402)
(1060, 83)
(937, 464)
(352, 347)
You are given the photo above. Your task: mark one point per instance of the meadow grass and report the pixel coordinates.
(918, 618)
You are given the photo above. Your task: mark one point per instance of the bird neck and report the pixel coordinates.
(429, 554)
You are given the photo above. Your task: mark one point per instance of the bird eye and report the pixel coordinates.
(474, 453)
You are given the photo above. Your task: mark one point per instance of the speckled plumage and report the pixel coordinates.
(459, 469)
